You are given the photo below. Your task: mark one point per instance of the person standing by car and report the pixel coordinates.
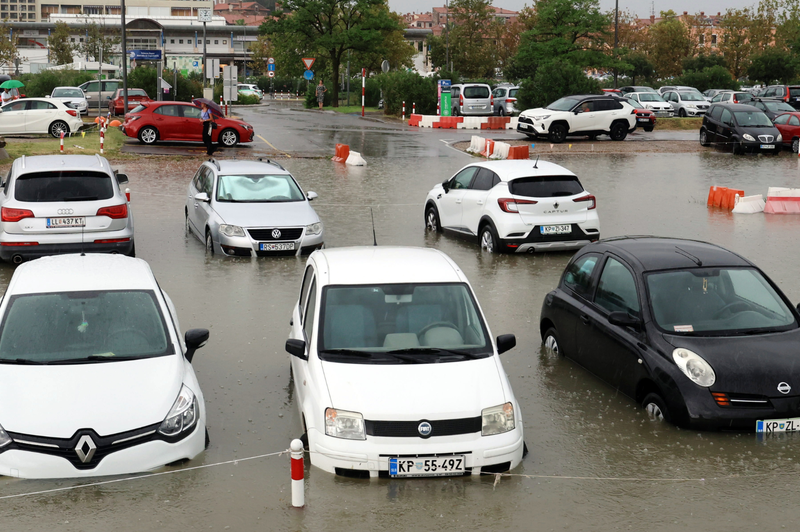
(208, 126)
(6, 96)
(321, 90)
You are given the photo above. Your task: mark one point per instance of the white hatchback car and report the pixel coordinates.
(395, 370)
(517, 206)
(39, 115)
(94, 376)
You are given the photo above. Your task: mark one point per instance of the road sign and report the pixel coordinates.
(309, 75)
(271, 67)
(203, 15)
(230, 79)
(271, 60)
(271, 74)
(309, 62)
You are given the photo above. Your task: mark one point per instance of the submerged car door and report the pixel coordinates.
(565, 310)
(612, 351)
(12, 119)
(474, 201)
(450, 205)
(302, 328)
(200, 210)
(711, 121)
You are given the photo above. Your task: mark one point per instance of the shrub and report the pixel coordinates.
(410, 87)
(553, 81)
(43, 83)
(715, 77)
(246, 99)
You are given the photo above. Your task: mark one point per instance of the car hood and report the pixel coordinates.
(748, 364)
(108, 397)
(530, 113)
(288, 214)
(411, 392)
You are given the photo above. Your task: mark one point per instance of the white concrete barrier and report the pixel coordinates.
(500, 150)
(428, 120)
(355, 159)
(477, 144)
(749, 204)
(471, 122)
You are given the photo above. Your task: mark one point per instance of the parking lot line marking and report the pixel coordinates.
(273, 147)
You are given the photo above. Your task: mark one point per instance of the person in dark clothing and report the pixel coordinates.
(208, 124)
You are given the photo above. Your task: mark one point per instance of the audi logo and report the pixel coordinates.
(65, 211)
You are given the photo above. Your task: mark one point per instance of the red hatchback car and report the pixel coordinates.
(135, 97)
(154, 121)
(789, 126)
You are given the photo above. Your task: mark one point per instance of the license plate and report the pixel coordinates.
(778, 425)
(79, 221)
(523, 126)
(282, 246)
(555, 229)
(427, 466)
(767, 147)
(643, 119)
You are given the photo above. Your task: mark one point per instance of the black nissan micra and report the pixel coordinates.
(695, 333)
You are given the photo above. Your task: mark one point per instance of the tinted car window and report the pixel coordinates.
(463, 178)
(484, 180)
(616, 291)
(168, 110)
(727, 117)
(476, 92)
(545, 186)
(607, 105)
(110, 86)
(40, 106)
(715, 112)
(15, 106)
(794, 92)
(308, 320)
(512, 93)
(794, 121)
(92, 86)
(578, 276)
(63, 186)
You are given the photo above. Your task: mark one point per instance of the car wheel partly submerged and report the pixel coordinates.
(432, 220)
(58, 127)
(550, 341)
(703, 137)
(488, 238)
(795, 145)
(209, 243)
(656, 408)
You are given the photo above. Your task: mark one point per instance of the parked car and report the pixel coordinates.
(698, 335)
(116, 103)
(789, 126)
(676, 88)
(586, 115)
(471, 99)
(515, 206)
(645, 118)
(106, 88)
(787, 93)
(741, 128)
(180, 121)
(52, 204)
(370, 321)
(686, 103)
(251, 208)
(710, 93)
(248, 89)
(39, 115)
(654, 102)
(635, 88)
(71, 97)
(505, 100)
(732, 97)
(77, 328)
(771, 108)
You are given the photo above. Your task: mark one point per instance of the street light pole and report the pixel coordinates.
(205, 66)
(616, 39)
(124, 62)
(447, 35)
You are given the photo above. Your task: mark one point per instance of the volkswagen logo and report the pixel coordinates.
(276, 234)
(784, 388)
(555, 205)
(85, 448)
(425, 429)
(65, 211)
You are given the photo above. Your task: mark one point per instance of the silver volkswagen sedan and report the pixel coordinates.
(246, 208)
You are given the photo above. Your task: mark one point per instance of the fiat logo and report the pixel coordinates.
(65, 211)
(276, 233)
(425, 429)
(784, 388)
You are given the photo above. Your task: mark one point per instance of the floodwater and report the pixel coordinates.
(595, 461)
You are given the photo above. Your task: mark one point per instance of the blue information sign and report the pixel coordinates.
(271, 67)
(309, 75)
(146, 55)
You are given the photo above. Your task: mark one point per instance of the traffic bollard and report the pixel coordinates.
(414, 108)
(102, 139)
(62, 142)
(128, 194)
(298, 492)
(403, 116)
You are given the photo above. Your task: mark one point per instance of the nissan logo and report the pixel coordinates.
(425, 429)
(276, 233)
(65, 211)
(784, 388)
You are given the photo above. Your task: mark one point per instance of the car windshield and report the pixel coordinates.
(644, 89)
(67, 93)
(692, 97)
(650, 97)
(754, 118)
(63, 186)
(716, 301)
(256, 188)
(794, 92)
(545, 186)
(778, 106)
(743, 96)
(82, 327)
(401, 323)
(564, 104)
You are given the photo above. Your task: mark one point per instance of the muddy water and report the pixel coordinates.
(595, 462)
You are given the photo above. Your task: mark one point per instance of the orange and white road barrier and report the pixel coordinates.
(477, 144)
(355, 159)
(403, 116)
(128, 194)
(500, 150)
(298, 470)
(782, 201)
(62, 142)
(102, 139)
(723, 197)
(489, 148)
(748, 204)
(519, 152)
(342, 153)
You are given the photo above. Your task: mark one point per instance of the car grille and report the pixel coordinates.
(664, 114)
(410, 429)
(702, 106)
(766, 138)
(525, 120)
(281, 233)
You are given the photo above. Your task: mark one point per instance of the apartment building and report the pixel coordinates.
(41, 10)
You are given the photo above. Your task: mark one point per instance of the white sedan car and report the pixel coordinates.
(94, 376)
(516, 206)
(39, 115)
(395, 370)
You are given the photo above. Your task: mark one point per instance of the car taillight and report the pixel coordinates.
(634, 111)
(72, 112)
(114, 212)
(511, 204)
(491, 100)
(14, 215)
(591, 198)
(511, 99)
(461, 100)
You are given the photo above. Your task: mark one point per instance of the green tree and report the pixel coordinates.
(261, 51)
(8, 47)
(555, 80)
(394, 48)
(735, 45)
(471, 52)
(330, 28)
(702, 61)
(61, 50)
(712, 77)
(98, 44)
(772, 64)
(638, 66)
(670, 44)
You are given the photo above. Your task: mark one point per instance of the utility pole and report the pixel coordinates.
(616, 39)
(205, 66)
(124, 63)
(447, 35)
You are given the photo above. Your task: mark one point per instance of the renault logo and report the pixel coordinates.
(65, 211)
(85, 448)
(784, 388)
(425, 429)
(276, 234)
(555, 205)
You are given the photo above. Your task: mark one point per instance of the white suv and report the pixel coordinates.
(517, 206)
(586, 115)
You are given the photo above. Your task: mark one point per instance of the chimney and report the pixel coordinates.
(652, 19)
(719, 14)
(702, 14)
(685, 13)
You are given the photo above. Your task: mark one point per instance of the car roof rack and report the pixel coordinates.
(216, 163)
(268, 161)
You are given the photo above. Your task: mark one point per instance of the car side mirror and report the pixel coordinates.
(577, 111)
(46, 95)
(446, 186)
(202, 196)
(311, 195)
(122, 178)
(296, 348)
(108, 97)
(194, 339)
(505, 342)
(623, 319)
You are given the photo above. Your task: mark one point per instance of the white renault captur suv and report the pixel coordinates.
(516, 206)
(395, 370)
(580, 115)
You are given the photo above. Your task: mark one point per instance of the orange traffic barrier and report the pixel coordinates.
(723, 197)
(489, 148)
(450, 122)
(716, 195)
(729, 201)
(711, 194)
(519, 152)
(496, 122)
(414, 119)
(115, 123)
(342, 153)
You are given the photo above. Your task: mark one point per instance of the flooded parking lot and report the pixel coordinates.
(595, 463)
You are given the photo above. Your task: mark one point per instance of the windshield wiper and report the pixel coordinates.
(23, 361)
(434, 350)
(95, 358)
(354, 352)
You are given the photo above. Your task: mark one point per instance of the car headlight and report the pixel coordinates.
(748, 136)
(246, 126)
(314, 229)
(231, 230)
(779, 138)
(694, 367)
(5, 439)
(541, 117)
(344, 424)
(497, 419)
(183, 414)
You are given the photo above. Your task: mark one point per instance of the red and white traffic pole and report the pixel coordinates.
(413, 108)
(128, 194)
(437, 108)
(403, 116)
(221, 105)
(363, 88)
(298, 491)
(102, 138)
(62, 142)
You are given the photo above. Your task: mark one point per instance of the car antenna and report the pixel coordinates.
(690, 256)
(535, 164)
(374, 238)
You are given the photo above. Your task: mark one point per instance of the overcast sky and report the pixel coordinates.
(638, 7)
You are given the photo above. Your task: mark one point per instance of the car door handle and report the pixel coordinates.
(585, 319)
(480, 202)
(458, 201)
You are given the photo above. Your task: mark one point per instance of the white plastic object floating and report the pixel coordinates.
(782, 201)
(355, 159)
(748, 204)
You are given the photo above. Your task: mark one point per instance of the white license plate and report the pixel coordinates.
(778, 425)
(555, 229)
(767, 147)
(643, 119)
(427, 466)
(524, 126)
(282, 246)
(79, 221)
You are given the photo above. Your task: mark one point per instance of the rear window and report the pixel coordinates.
(794, 92)
(63, 186)
(138, 109)
(545, 186)
(512, 93)
(476, 92)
